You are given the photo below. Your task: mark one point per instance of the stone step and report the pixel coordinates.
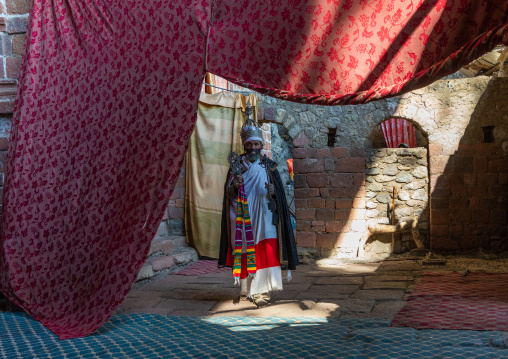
(167, 254)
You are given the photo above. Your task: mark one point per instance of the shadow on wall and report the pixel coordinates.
(469, 189)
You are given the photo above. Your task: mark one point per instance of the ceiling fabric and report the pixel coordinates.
(107, 100)
(337, 52)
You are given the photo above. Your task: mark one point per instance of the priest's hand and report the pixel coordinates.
(271, 188)
(238, 181)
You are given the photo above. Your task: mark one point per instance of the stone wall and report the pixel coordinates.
(407, 170)
(330, 188)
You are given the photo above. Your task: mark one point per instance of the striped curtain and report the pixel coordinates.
(217, 131)
(397, 131)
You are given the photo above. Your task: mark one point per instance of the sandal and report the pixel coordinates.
(261, 303)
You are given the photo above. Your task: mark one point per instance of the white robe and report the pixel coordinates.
(254, 179)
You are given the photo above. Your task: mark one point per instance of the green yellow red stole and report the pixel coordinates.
(242, 216)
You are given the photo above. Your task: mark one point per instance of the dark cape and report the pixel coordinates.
(281, 219)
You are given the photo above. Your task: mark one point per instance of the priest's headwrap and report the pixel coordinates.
(250, 129)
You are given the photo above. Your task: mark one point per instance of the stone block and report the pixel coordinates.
(308, 165)
(435, 149)
(480, 165)
(372, 213)
(439, 229)
(18, 7)
(16, 25)
(323, 153)
(300, 180)
(330, 203)
(145, 272)
(343, 203)
(305, 214)
(326, 240)
(357, 152)
(325, 214)
(301, 141)
(469, 178)
(344, 192)
(316, 203)
(164, 262)
(306, 192)
(358, 226)
(438, 164)
(357, 213)
(488, 203)
(359, 203)
(498, 216)
(455, 230)
(318, 180)
(338, 152)
(299, 153)
(460, 202)
(302, 225)
(329, 164)
(480, 216)
(440, 216)
(444, 242)
(324, 193)
(341, 180)
(374, 187)
(186, 257)
(341, 214)
(498, 191)
(3, 22)
(404, 177)
(300, 203)
(352, 165)
(487, 179)
(459, 191)
(459, 216)
(337, 226)
(311, 153)
(176, 213)
(359, 179)
(474, 191)
(306, 239)
(12, 66)
(485, 149)
(372, 171)
(18, 44)
(420, 195)
(390, 170)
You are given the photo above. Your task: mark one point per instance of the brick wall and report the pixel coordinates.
(329, 197)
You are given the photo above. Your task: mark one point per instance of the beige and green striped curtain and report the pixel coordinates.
(217, 132)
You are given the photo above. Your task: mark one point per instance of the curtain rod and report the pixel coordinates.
(224, 89)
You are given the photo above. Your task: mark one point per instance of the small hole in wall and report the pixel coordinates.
(332, 132)
(488, 134)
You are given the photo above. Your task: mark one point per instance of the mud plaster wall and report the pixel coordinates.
(330, 182)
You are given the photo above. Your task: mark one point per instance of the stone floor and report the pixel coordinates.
(327, 289)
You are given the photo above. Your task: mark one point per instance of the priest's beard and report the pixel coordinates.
(253, 155)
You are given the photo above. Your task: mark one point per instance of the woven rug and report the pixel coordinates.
(155, 336)
(477, 301)
(203, 266)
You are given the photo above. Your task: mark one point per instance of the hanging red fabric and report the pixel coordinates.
(107, 100)
(397, 131)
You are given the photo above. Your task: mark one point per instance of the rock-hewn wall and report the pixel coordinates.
(330, 182)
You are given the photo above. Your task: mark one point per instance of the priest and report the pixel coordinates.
(257, 238)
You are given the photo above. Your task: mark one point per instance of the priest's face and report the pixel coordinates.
(253, 150)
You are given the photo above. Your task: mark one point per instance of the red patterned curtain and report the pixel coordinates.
(107, 98)
(397, 131)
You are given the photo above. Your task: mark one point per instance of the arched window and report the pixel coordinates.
(399, 133)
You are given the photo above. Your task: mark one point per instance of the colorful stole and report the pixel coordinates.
(242, 215)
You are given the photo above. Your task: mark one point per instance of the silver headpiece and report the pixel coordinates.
(250, 129)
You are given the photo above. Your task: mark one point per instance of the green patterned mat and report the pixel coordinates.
(157, 336)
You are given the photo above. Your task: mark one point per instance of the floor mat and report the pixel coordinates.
(203, 266)
(156, 336)
(476, 301)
